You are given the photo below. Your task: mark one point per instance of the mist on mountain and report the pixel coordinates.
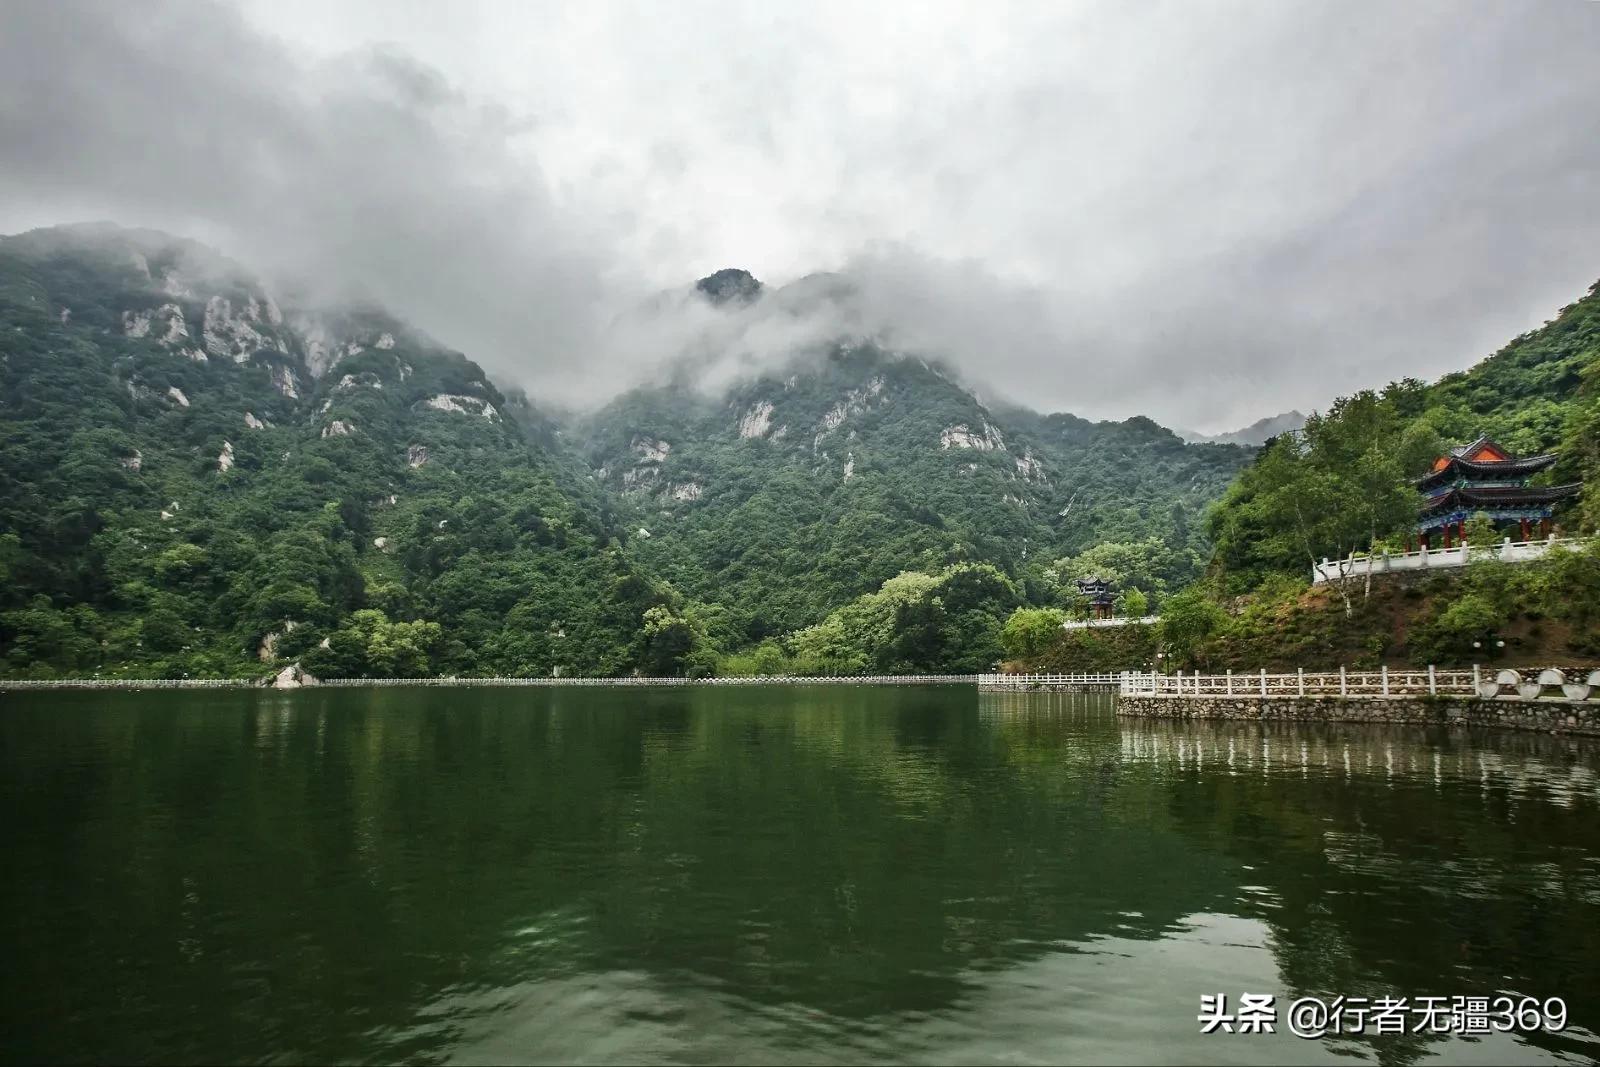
(1074, 229)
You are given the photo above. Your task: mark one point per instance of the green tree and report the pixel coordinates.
(1481, 534)
(1465, 628)
(1188, 621)
(669, 641)
(827, 649)
(1338, 487)
(1148, 565)
(1028, 632)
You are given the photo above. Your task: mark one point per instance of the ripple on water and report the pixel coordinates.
(723, 876)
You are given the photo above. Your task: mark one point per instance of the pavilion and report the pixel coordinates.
(1483, 477)
(1099, 594)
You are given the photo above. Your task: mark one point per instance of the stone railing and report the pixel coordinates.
(538, 682)
(1084, 681)
(1552, 682)
(1090, 624)
(130, 683)
(1430, 681)
(643, 680)
(1507, 551)
(1551, 700)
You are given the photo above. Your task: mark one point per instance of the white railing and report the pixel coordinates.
(1380, 683)
(1089, 624)
(1573, 684)
(254, 683)
(1507, 551)
(129, 683)
(633, 680)
(1109, 680)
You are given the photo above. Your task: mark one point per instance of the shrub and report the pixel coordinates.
(1450, 636)
(1188, 621)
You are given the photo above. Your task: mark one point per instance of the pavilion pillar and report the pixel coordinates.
(1461, 532)
(1544, 528)
(1526, 533)
(1448, 530)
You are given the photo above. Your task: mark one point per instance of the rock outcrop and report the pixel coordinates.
(293, 676)
(757, 421)
(462, 405)
(961, 436)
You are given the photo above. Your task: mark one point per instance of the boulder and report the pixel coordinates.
(293, 677)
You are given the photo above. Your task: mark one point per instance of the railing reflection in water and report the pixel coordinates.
(1562, 770)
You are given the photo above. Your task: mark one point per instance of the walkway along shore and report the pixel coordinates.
(1105, 681)
(540, 682)
(1549, 701)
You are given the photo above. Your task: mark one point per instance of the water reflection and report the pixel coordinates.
(1527, 766)
(816, 875)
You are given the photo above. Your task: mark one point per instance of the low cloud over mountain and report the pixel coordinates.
(1196, 213)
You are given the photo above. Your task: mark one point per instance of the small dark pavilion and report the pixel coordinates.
(1484, 477)
(1099, 593)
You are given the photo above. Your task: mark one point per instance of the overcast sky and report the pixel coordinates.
(1204, 212)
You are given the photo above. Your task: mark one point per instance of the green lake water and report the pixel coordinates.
(828, 874)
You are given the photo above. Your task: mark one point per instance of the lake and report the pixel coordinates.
(824, 874)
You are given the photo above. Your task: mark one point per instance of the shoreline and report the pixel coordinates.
(139, 684)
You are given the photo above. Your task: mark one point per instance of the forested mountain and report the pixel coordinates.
(1345, 485)
(1539, 393)
(196, 477)
(788, 495)
(193, 476)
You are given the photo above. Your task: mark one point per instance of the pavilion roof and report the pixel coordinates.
(1498, 468)
(1498, 496)
(1483, 439)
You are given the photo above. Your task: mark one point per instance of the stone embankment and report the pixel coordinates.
(1545, 716)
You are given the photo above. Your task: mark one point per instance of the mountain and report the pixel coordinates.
(730, 285)
(1539, 393)
(1347, 484)
(1257, 433)
(197, 478)
(201, 476)
(788, 494)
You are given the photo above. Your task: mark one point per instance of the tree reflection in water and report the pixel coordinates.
(734, 873)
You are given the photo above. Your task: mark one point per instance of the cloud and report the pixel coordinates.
(367, 173)
(1205, 213)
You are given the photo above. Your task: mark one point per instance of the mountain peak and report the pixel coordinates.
(142, 249)
(729, 285)
(1257, 433)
